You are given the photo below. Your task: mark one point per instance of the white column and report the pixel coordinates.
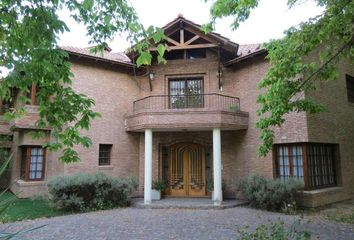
(217, 166)
(148, 166)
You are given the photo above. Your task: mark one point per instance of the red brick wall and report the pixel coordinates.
(114, 93)
(336, 125)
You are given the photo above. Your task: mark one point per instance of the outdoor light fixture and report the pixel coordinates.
(219, 73)
(151, 75)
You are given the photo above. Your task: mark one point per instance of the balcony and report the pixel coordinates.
(187, 112)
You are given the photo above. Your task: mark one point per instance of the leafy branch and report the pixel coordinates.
(29, 50)
(308, 51)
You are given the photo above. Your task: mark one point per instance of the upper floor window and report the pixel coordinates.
(196, 53)
(186, 92)
(174, 55)
(186, 54)
(104, 154)
(32, 163)
(314, 163)
(350, 88)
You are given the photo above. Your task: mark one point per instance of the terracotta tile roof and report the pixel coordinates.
(246, 51)
(117, 57)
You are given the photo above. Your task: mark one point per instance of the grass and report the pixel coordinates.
(341, 212)
(23, 209)
(342, 217)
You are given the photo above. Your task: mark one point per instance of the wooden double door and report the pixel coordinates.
(186, 170)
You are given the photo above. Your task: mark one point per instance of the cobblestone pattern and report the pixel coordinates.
(132, 223)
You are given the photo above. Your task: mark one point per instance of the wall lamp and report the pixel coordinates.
(151, 75)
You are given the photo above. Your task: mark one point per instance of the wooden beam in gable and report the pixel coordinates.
(173, 41)
(181, 36)
(193, 46)
(200, 34)
(192, 40)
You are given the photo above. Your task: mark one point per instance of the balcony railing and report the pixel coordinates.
(211, 101)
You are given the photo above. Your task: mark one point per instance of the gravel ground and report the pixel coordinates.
(133, 223)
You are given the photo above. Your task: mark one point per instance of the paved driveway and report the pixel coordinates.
(133, 223)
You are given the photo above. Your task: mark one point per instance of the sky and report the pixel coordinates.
(267, 21)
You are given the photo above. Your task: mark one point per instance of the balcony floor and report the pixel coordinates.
(186, 120)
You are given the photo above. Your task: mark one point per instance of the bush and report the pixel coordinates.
(85, 192)
(275, 230)
(159, 186)
(270, 194)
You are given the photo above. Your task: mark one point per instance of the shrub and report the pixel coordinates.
(85, 192)
(275, 230)
(158, 185)
(270, 194)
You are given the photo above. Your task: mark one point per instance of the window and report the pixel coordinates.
(290, 161)
(196, 53)
(350, 88)
(32, 163)
(186, 54)
(186, 92)
(104, 155)
(314, 163)
(174, 55)
(321, 165)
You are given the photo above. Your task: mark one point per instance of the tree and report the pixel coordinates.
(28, 49)
(292, 73)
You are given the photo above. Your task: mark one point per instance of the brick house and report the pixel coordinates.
(191, 123)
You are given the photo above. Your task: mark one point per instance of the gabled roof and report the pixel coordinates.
(215, 35)
(213, 40)
(105, 56)
(230, 51)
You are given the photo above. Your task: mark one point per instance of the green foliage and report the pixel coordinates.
(270, 194)
(22, 209)
(5, 201)
(28, 48)
(158, 185)
(85, 192)
(342, 217)
(239, 9)
(276, 230)
(307, 54)
(8, 200)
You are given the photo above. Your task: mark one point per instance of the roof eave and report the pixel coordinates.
(240, 59)
(125, 64)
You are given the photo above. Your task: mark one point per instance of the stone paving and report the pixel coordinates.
(187, 203)
(134, 223)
